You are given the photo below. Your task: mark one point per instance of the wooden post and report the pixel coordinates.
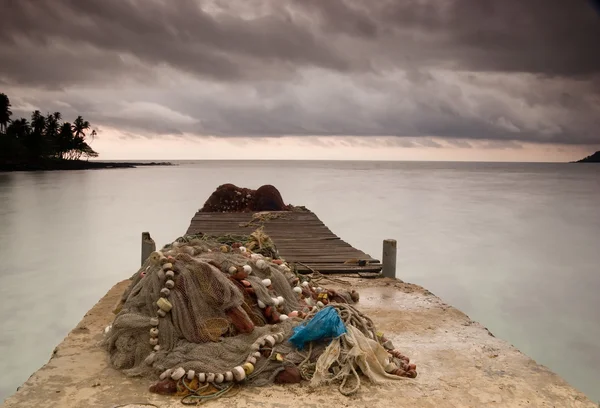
(148, 246)
(388, 259)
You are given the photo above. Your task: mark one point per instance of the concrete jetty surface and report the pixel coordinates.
(459, 364)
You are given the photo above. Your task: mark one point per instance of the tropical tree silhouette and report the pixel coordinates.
(5, 112)
(47, 136)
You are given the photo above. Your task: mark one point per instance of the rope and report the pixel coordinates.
(353, 390)
(344, 366)
(196, 399)
(141, 404)
(303, 366)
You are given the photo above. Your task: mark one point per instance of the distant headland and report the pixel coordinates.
(49, 143)
(594, 158)
(58, 164)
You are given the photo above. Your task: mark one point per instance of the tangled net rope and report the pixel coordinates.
(205, 314)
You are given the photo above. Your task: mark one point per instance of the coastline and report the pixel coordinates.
(52, 165)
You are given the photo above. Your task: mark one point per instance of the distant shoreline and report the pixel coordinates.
(51, 165)
(594, 158)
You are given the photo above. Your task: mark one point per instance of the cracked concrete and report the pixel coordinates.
(459, 363)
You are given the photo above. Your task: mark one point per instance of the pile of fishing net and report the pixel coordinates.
(205, 314)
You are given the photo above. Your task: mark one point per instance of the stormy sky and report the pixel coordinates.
(431, 74)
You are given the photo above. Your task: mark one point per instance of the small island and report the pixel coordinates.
(46, 142)
(594, 158)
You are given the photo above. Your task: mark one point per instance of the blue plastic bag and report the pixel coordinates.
(325, 324)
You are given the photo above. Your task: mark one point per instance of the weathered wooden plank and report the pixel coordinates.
(305, 259)
(298, 236)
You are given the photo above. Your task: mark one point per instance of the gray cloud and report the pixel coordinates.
(460, 69)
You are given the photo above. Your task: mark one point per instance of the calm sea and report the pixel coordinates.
(515, 246)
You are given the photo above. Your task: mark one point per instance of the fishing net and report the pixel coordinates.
(208, 309)
(213, 320)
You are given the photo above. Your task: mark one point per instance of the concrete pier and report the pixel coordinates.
(459, 362)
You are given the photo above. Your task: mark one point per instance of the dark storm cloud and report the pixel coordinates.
(456, 69)
(553, 37)
(538, 36)
(179, 34)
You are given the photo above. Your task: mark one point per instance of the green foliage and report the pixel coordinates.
(45, 137)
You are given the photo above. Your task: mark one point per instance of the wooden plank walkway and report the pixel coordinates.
(300, 238)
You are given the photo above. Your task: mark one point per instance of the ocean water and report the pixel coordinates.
(515, 246)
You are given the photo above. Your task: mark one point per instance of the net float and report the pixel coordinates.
(167, 266)
(178, 374)
(202, 377)
(164, 304)
(190, 375)
(268, 311)
(170, 284)
(165, 292)
(228, 376)
(219, 378)
(248, 368)
(150, 358)
(156, 256)
(238, 373)
(169, 274)
(210, 377)
(165, 374)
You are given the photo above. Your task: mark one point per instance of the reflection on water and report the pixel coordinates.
(515, 246)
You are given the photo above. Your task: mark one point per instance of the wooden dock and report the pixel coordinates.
(300, 238)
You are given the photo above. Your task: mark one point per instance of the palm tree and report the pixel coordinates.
(52, 132)
(4, 112)
(38, 122)
(36, 142)
(19, 129)
(65, 141)
(80, 126)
